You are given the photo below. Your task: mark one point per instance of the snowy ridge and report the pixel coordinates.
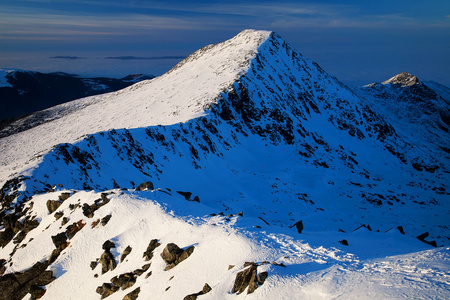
(240, 142)
(178, 96)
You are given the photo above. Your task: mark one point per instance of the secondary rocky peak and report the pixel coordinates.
(404, 79)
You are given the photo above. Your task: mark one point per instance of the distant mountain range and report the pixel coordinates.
(24, 92)
(244, 169)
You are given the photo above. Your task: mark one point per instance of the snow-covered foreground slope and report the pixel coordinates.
(251, 126)
(310, 266)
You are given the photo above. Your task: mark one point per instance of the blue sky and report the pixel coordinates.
(357, 41)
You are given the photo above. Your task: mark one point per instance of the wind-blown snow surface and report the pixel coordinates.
(246, 125)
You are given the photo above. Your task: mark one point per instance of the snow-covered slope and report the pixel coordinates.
(248, 125)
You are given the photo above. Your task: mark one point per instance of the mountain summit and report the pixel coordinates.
(245, 163)
(404, 79)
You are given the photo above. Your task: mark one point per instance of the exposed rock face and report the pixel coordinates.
(173, 255)
(247, 278)
(404, 79)
(16, 285)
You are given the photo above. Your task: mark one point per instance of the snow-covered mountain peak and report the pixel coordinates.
(404, 79)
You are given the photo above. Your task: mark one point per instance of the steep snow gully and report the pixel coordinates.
(237, 144)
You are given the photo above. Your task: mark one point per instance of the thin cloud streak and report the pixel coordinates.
(144, 58)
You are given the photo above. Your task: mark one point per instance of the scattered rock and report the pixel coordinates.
(344, 242)
(94, 264)
(106, 219)
(248, 278)
(170, 253)
(125, 253)
(299, 226)
(64, 196)
(107, 259)
(240, 214)
(262, 277)
(230, 267)
(196, 199)
(105, 290)
(87, 211)
(400, 228)
(206, 289)
(148, 254)
(59, 240)
(133, 295)
(72, 229)
(124, 281)
(186, 195)
(64, 221)
(104, 198)
(52, 205)
(95, 223)
(173, 255)
(145, 186)
(58, 215)
(422, 236)
(425, 235)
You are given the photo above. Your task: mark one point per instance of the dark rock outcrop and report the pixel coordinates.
(52, 205)
(344, 242)
(107, 259)
(206, 289)
(125, 253)
(299, 226)
(148, 254)
(16, 285)
(145, 186)
(248, 278)
(132, 295)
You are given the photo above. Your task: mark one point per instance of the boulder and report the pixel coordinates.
(52, 205)
(64, 196)
(58, 215)
(106, 219)
(108, 245)
(145, 186)
(59, 240)
(170, 253)
(246, 278)
(344, 242)
(87, 211)
(173, 255)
